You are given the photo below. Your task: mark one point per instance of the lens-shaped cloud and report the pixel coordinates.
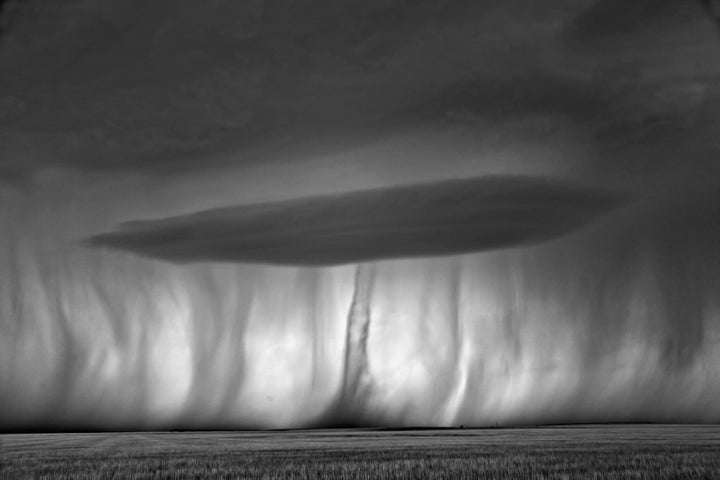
(441, 218)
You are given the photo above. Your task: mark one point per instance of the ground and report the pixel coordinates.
(608, 451)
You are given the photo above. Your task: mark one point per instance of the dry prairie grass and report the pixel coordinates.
(555, 453)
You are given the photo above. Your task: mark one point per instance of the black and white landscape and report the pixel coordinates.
(311, 214)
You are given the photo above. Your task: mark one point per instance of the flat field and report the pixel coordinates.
(615, 451)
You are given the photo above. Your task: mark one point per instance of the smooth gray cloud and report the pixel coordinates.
(407, 221)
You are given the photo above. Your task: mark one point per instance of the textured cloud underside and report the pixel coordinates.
(166, 86)
(432, 219)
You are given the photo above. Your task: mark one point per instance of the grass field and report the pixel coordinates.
(645, 451)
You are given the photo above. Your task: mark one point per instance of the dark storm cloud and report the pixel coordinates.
(152, 86)
(170, 86)
(7, 9)
(713, 9)
(408, 221)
